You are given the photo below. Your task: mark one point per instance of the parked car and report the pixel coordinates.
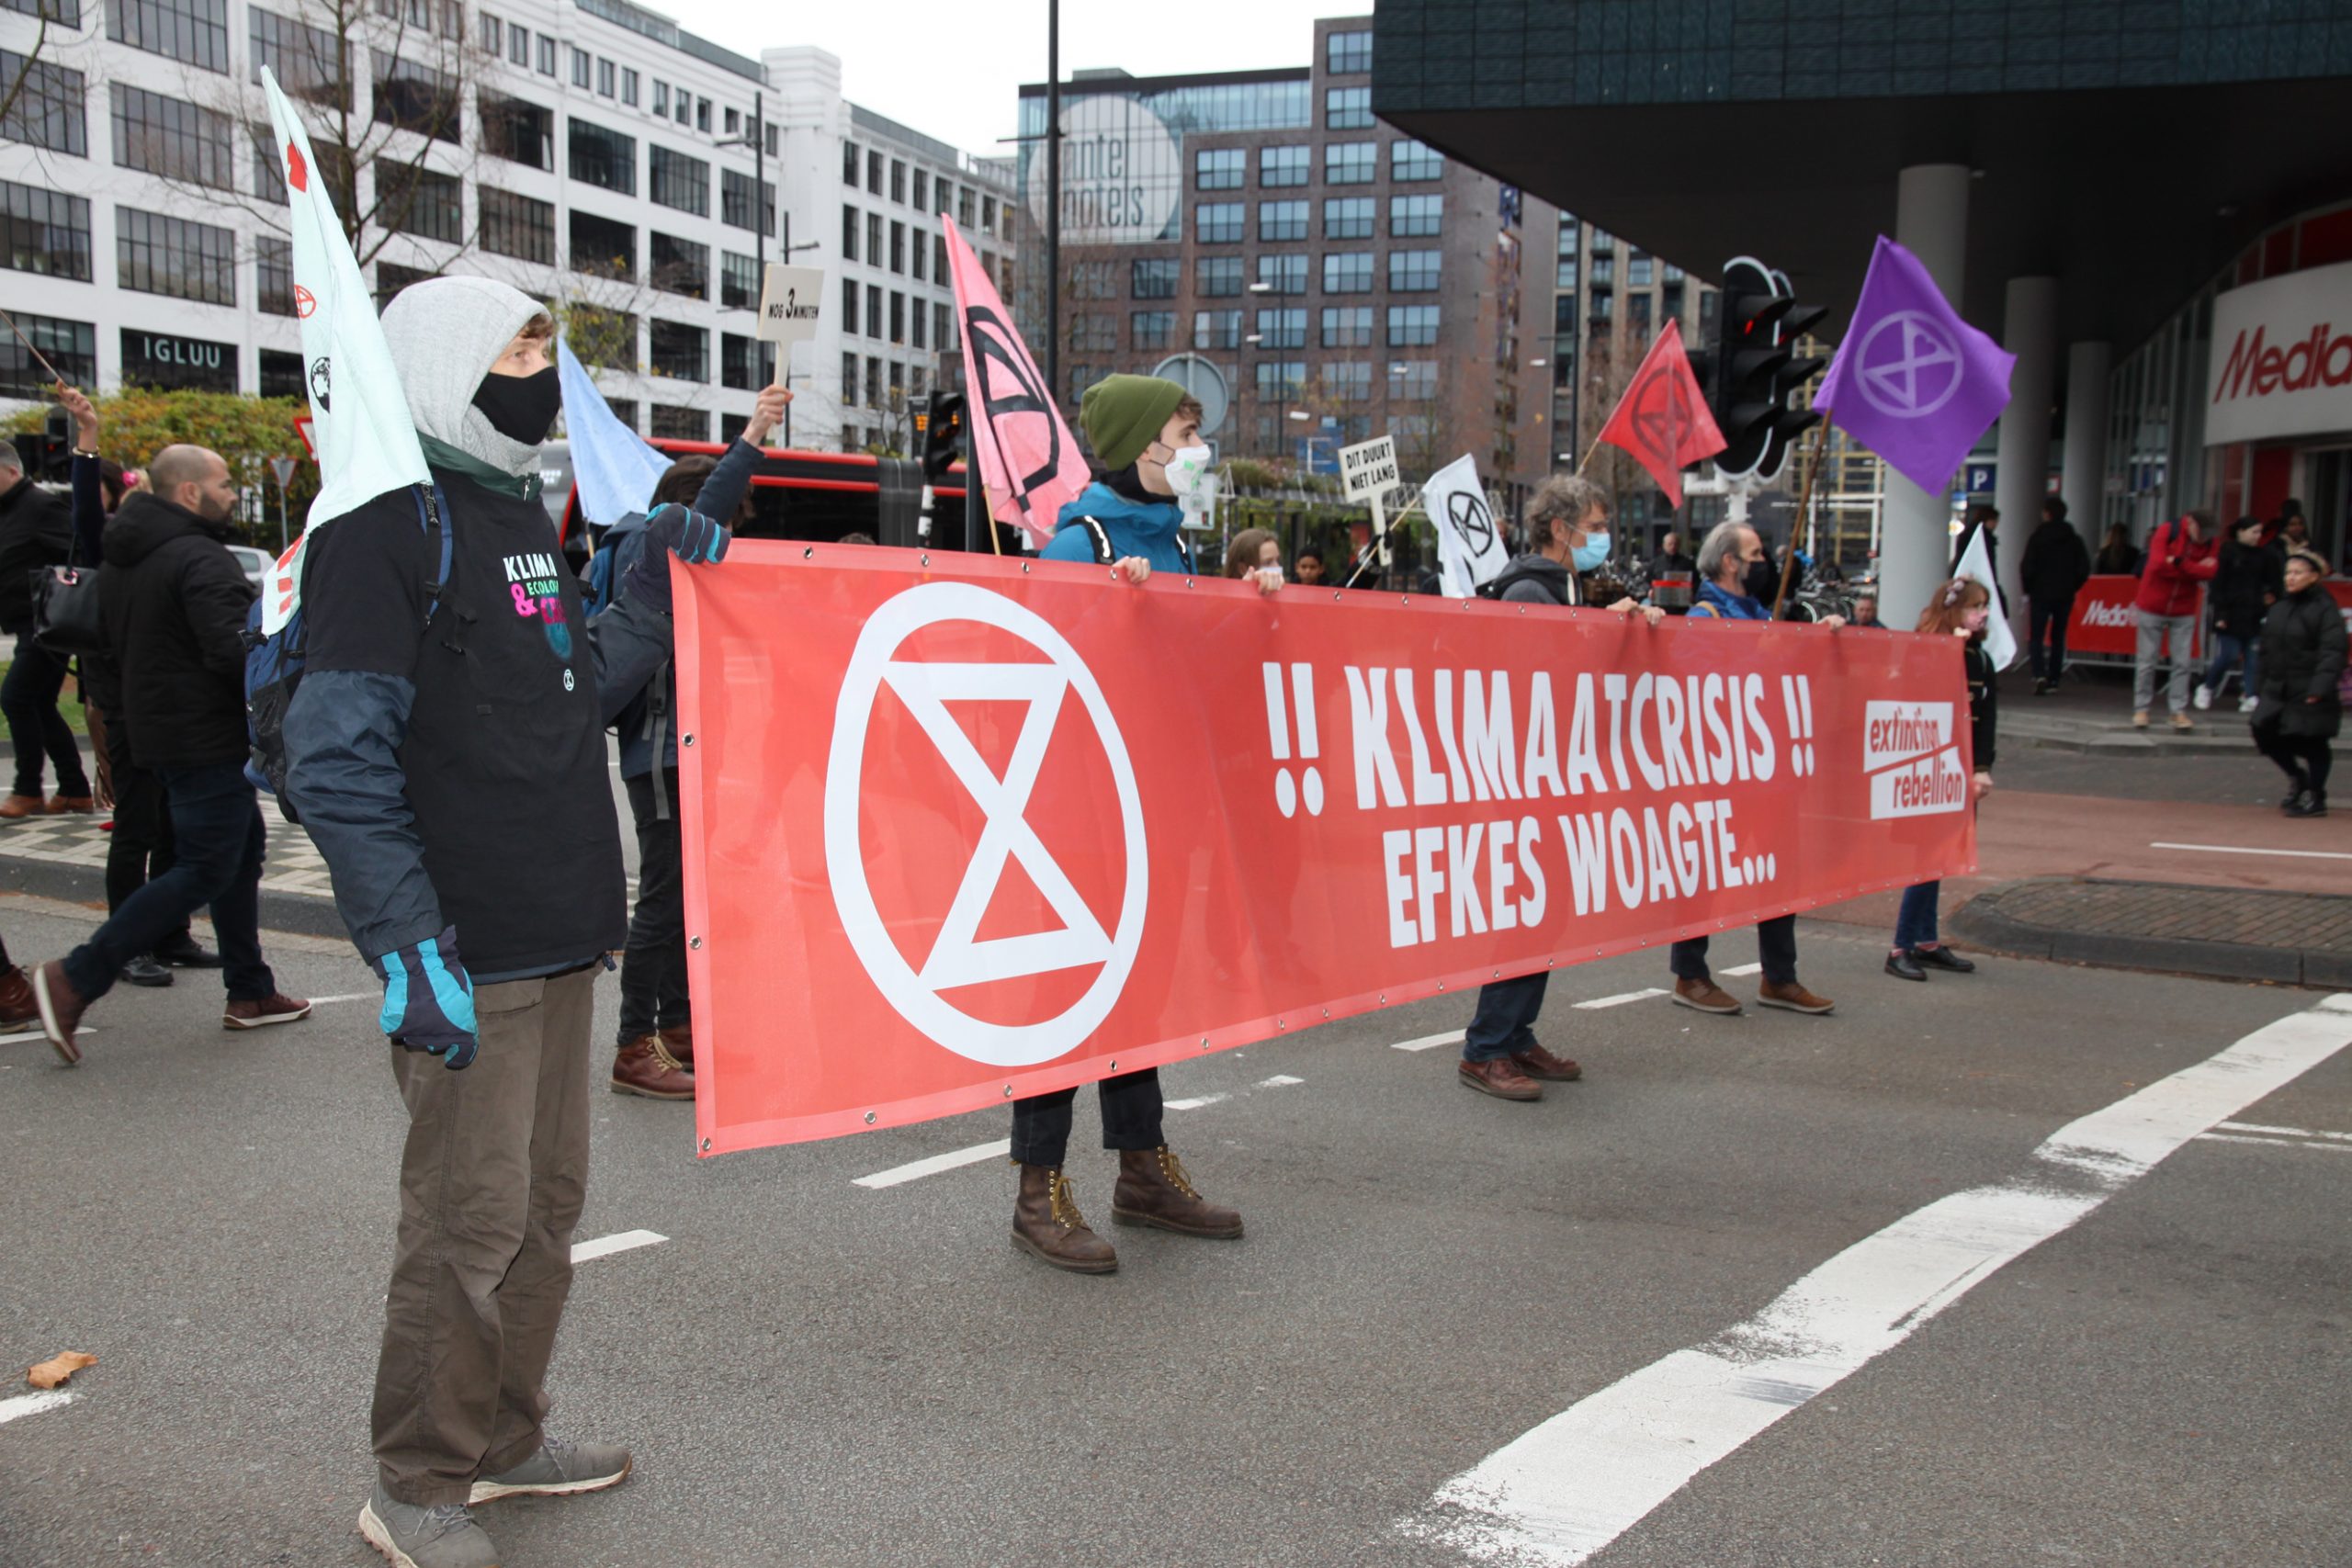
(256, 564)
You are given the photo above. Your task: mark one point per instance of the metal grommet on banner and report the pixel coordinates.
(1204, 1042)
(926, 560)
(1115, 1067)
(1441, 985)
(706, 1146)
(869, 1119)
(686, 739)
(1384, 999)
(808, 552)
(1008, 1091)
(1326, 1012)
(1335, 596)
(1025, 568)
(1188, 583)
(694, 942)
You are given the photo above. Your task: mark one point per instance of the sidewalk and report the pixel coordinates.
(2091, 712)
(2295, 939)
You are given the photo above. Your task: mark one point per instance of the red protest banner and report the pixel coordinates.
(954, 839)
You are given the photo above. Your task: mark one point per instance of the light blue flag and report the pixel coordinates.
(613, 466)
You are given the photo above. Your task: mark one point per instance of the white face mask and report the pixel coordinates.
(1190, 478)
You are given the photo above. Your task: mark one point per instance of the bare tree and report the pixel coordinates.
(13, 89)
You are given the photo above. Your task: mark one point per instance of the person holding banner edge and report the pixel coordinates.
(1959, 608)
(1567, 528)
(1730, 552)
(1128, 519)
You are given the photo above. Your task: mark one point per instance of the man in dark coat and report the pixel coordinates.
(175, 602)
(36, 530)
(2301, 705)
(2056, 566)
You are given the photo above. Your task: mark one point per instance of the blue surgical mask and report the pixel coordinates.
(1592, 552)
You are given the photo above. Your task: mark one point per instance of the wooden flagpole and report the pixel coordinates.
(1804, 505)
(21, 338)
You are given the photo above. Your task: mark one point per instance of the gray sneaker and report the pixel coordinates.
(411, 1537)
(558, 1470)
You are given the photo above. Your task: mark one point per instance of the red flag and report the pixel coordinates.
(1029, 464)
(1663, 419)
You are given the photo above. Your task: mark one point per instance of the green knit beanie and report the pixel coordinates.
(1123, 414)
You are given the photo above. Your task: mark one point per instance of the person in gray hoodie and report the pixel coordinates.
(446, 752)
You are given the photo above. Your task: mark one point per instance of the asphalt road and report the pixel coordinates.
(812, 1371)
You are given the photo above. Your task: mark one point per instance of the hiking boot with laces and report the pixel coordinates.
(558, 1470)
(647, 1067)
(1154, 1191)
(442, 1536)
(1046, 1221)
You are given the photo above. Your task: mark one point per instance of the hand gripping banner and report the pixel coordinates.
(955, 837)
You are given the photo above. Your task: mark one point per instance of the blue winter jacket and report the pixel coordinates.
(1152, 530)
(1715, 604)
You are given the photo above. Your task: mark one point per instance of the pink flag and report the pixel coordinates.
(1029, 461)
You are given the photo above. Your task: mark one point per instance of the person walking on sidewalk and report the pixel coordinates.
(174, 602)
(1959, 608)
(2183, 554)
(2056, 566)
(2300, 704)
(1726, 561)
(654, 1055)
(1567, 529)
(2247, 580)
(35, 531)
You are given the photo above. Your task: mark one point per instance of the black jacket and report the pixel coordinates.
(175, 602)
(1984, 704)
(2241, 582)
(2056, 564)
(2302, 656)
(35, 531)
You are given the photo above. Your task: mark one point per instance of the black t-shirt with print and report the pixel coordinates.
(504, 755)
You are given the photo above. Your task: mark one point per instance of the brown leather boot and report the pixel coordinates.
(17, 1007)
(1046, 1221)
(1154, 1191)
(17, 806)
(645, 1066)
(678, 1039)
(1499, 1077)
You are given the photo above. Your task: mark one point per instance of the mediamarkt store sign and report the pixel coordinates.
(2282, 358)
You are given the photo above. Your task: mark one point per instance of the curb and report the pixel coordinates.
(293, 912)
(2153, 741)
(1984, 923)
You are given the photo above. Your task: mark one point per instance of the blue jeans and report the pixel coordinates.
(2241, 653)
(1776, 944)
(218, 839)
(1915, 922)
(1505, 1021)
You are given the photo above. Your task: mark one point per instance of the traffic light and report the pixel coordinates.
(57, 447)
(1757, 368)
(942, 434)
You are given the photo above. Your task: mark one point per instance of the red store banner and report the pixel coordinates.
(960, 830)
(2105, 625)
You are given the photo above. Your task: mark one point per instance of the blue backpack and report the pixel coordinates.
(274, 663)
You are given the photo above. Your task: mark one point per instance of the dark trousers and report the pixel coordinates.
(29, 700)
(1776, 944)
(218, 832)
(2305, 759)
(2046, 620)
(492, 1177)
(140, 848)
(1130, 1118)
(653, 964)
(1505, 1021)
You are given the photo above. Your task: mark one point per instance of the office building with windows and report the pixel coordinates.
(1341, 279)
(589, 151)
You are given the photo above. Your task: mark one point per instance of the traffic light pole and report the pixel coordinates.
(1053, 206)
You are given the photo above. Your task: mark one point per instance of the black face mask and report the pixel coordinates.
(1762, 582)
(521, 407)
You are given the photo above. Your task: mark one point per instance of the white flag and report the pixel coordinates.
(1470, 547)
(366, 442)
(2000, 642)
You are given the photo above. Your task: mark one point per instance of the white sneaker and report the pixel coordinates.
(2204, 698)
(2247, 704)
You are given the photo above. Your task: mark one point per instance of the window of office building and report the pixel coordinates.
(517, 226)
(939, 258)
(1216, 329)
(736, 193)
(1347, 326)
(1346, 381)
(606, 78)
(44, 232)
(631, 87)
(274, 277)
(738, 281)
(897, 181)
(923, 192)
(1152, 328)
(1094, 280)
(281, 374)
(309, 62)
(1220, 168)
(1283, 275)
(1413, 272)
(673, 179)
(601, 157)
(516, 131)
(1638, 269)
(848, 304)
(71, 347)
(849, 232)
(1347, 109)
(915, 257)
(62, 13)
(1413, 161)
(898, 247)
(1216, 278)
(873, 310)
(849, 163)
(915, 319)
(1347, 54)
(1416, 217)
(416, 97)
(872, 173)
(48, 108)
(1348, 217)
(898, 316)
(678, 266)
(1280, 220)
(333, 168)
(582, 65)
(1413, 380)
(873, 238)
(1154, 277)
(677, 350)
(674, 422)
(547, 55)
(421, 202)
(849, 377)
(519, 46)
(874, 383)
(1219, 222)
(1412, 326)
(1566, 277)
(192, 32)
(1351, 163)
(493, 36)
(1347, 272)
(175, 257)
(1281, 329)
(1093, 332)
(1637, 316)
(1279, 379)
(736, 361)
(170, 137)
(943, 327)
(602, 246)
(1285, 165)
(967, 203)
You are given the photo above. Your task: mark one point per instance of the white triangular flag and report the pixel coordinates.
(1470, 548)
(366, 442)
(2000, 642)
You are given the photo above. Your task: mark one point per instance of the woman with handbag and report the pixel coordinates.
(35, 531)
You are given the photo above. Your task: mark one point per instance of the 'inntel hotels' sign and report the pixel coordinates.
(2282, 358)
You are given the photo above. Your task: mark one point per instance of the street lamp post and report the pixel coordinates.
(757, 142)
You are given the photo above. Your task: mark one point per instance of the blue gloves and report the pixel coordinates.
(429, 1000)
(673, 529)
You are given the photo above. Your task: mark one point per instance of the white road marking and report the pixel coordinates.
(1747, 969)
(37, 1034)
(1564, 1489)
(2244, 849)
(1196, 1101)
(1621, 998)
(33, 1403)
(2285, 1132)
(348, 997)
(1280, 1080)
(620, 1241)
(1429, 1042)
(915, 1170)
(2274, 1143)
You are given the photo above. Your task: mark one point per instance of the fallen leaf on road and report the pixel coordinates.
(58, 1367)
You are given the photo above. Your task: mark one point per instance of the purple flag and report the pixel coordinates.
(1912, 381)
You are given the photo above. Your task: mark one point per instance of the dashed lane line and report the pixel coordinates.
(1620, 999)
(915, 1170)
(32, 1404)
(2274, 1143)
(620, 1241)
(1429, 1041)
(2286, 1132)
(2249, 850)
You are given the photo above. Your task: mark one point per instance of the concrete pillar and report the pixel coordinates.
(2029, 331)
(2088, 366)
(1915, 546)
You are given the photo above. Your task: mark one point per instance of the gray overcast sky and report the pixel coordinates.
(953, 69)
